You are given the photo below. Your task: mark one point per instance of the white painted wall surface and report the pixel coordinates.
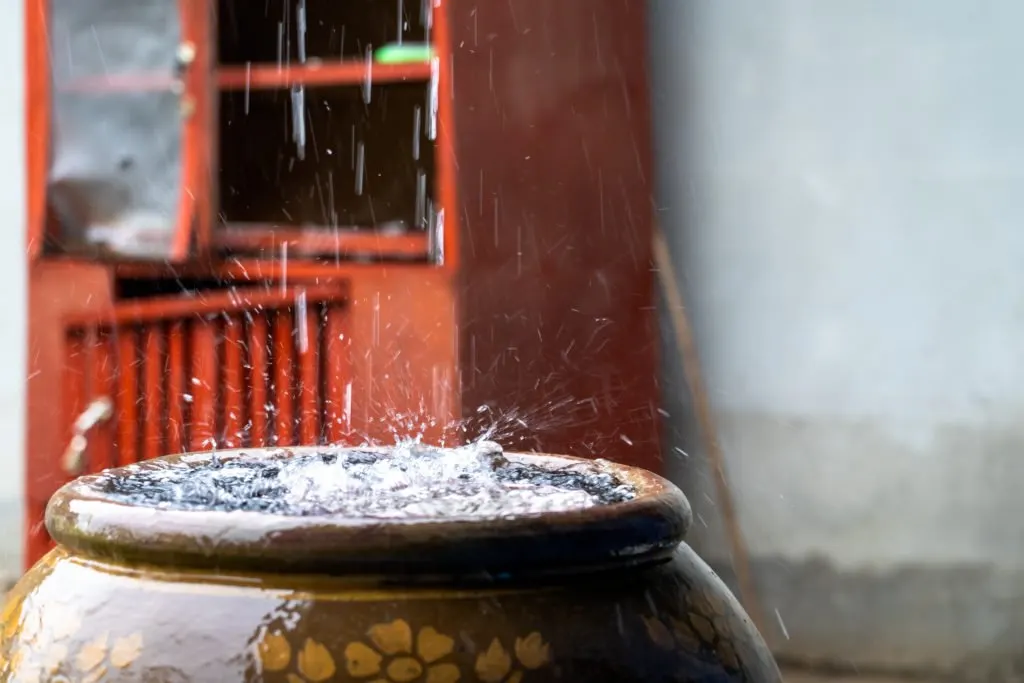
(13, 286)
(843, 184)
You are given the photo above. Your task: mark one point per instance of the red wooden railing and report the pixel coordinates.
(237, 368)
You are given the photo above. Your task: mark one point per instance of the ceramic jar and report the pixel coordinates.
(604, 594)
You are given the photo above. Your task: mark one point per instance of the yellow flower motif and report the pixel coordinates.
(713, 603)
(95, 658)
(703, 626)
(313, 662)
(395, 659)
(495, 665)
(691, 635)
(659, 634)
(532, 651)
(51, 659)
(681, 635)
(274, 651)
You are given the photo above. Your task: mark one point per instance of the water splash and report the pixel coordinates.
(407, 481)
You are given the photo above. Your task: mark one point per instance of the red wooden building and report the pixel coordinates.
(244, 229)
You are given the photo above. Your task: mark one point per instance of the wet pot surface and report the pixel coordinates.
(607, 593)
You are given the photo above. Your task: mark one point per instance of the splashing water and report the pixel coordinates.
(408, 481)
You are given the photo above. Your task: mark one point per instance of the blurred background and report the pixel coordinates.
(840, 185)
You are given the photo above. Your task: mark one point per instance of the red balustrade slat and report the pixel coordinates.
(177, 408)
(127, 399)
(233, 386)
(274, 370)
(337, 365)
(202, 385)
(308, 338)
(284, 374)
(259, 366)
(102, 386)
(73, 400)
(153, 389)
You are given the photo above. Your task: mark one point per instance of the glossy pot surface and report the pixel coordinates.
(609, 593)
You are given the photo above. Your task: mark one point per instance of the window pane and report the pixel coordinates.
(108, 38)
(115, 177)
(290, 31)
(115, 171)
(327, 158)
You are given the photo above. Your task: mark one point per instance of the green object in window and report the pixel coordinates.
(403, 53)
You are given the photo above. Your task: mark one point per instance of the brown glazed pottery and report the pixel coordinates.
(607, 594)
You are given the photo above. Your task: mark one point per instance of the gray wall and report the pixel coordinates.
(12, 286)
(843, 186)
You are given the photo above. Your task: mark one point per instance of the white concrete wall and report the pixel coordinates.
(13, 288)
(843, 184)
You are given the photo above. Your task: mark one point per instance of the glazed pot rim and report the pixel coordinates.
(82, 517)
